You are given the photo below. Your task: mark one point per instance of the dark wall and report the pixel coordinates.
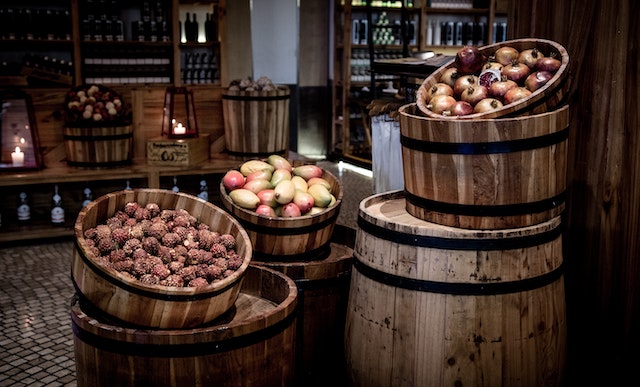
(602, 220)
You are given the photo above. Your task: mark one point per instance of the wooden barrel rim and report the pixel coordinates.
(555, 84)
(255, 98)
(157, 291)
(178, 350)
(482, 243)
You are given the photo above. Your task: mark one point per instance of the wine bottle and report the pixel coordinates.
(57, 210)
(175, 185)
(23, 209)
(87, 197)
(194, 26)
(204, 190)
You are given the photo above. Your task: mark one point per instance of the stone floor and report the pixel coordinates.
(36, 339)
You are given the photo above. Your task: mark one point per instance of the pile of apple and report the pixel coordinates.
(478, 83)
(275, 188)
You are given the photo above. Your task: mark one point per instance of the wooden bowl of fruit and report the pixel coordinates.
(506, 79)
(288, 211)
(157, 258)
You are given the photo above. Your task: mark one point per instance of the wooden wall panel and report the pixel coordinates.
(602, 238)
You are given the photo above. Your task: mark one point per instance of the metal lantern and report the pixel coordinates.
(179, 118)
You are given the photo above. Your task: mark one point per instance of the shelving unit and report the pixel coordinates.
(356, 77)
(140, 71)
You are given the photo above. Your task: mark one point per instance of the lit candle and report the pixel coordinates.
(179, 130)
(17, 157)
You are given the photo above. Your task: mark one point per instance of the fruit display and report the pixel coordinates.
(163, 247)
(502, 79)
(275, 188)
(95, 105)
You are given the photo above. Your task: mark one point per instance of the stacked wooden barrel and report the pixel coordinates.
(458, 278)
(237, 331)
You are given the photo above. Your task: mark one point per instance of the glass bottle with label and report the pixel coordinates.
(24, 209)
(204, 190)
(57, 210)
(87, 197)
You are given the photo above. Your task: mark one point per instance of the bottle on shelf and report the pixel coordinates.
(194, 28)
(204, 190)
(57, 210)
(128, 186)
(87, 197)
(175, 185)
(23, 209)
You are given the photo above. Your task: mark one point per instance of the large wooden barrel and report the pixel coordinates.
(256, 123)
(253, 344)
(280, 238)
(323, 291)
(98, 147)
(485, 174)
(146, 305)
(432, 305)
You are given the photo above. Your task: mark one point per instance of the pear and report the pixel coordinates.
(233, 179)
(264, 174)
(291, 210)
(319, 180)
(244, 198)
(321, 195)
(300, 183)
(257, 185)
(255, 165)
(303, 200)
(307, 171)
(284, 191)
(280, 174)
(268, 197)
(279, 162)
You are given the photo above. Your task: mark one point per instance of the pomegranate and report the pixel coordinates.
(474, 94)
(463, 83)
(548, 63)
(440, 103)
(469, 60)
(498, 89)
(530, 56)
(505, 55)
(517, 72)
(438, 88)
(537, 79)
(487, 105)
(489, 76)
(449, 76)
(516, 94)
(460, 108)
(492, 64)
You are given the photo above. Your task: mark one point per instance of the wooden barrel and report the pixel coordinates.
(547, 98)
(250, 345)
(279, 238)
(432, 305)
(95, 147)
(256, 123)
(147, 305)
(485, 174)
(323, 291)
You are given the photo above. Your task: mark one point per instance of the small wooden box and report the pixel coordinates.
(177, 152)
